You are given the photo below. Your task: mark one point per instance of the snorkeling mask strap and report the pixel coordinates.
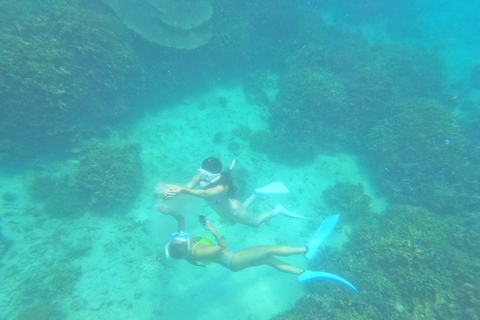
(187, 256)
(167, 255)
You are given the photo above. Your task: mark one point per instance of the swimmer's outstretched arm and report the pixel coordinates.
(171, 190)
(163, 209)
(193, 183)
(174, 190)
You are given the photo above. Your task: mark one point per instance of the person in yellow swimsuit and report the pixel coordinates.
(201, 249)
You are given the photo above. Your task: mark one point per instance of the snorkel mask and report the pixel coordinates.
(209, 178)
(181, 237)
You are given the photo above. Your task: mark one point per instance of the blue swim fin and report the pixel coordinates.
(320, 235)
(315, 275)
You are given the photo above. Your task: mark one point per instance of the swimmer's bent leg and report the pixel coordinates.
(263, 255)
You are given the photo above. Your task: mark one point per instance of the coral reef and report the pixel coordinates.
(348, 199)
(397, 18)
(421, 157)
(109, 177)
(305, 115)
(243, 132)
(260, 141)
(177, 24)
(256, 85)
(66, 67)
(339, 92)
(407, 263)
(337, 87)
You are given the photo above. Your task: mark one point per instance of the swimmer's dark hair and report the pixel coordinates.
(227, 180)
(214, 165)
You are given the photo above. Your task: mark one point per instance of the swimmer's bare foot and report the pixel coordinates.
(163, 209)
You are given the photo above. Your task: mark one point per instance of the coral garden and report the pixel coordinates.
(70, 69)
(67, 67)
(407, 263)
(331, 96)
(307, 114)
(109, 177)
(384, 102)
(348, 199)
(421, 157)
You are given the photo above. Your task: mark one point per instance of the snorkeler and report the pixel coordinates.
(201, 249)
(218, 190)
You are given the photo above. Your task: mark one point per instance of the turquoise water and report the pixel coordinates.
(368, 110)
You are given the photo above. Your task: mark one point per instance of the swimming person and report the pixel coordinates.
(201, 249)
(218, 190)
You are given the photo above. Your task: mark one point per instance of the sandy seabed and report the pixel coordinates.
(112, 266)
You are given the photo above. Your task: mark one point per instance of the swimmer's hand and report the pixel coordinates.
(172, 191)
(208, 227)
(220, 240)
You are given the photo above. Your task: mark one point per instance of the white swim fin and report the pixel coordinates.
(281, 210)
(272, 188)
